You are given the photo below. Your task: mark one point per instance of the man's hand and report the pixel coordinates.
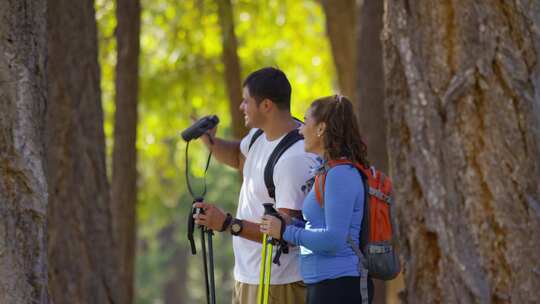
(212, 218)
(210, 135)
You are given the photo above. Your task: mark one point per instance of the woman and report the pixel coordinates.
(329, 265)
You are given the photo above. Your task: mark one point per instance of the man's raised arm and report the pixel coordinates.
(225, 151)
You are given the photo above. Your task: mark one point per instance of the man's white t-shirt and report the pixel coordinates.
(291, 172)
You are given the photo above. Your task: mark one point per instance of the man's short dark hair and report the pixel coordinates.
(269, 83)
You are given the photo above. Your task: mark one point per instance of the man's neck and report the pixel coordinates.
(279, 125)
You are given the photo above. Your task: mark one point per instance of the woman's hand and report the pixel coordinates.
(271, 225)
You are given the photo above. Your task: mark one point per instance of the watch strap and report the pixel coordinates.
(226, 223)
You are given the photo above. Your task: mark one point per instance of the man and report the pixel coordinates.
(266, 106)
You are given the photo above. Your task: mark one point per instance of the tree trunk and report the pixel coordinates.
(232, 75)
(175, 291)
(124, 172)
(464, 140)
(341, 31)
(23, 183)
(83, 265)
(175, 288)
(370, 88)
(371, 81)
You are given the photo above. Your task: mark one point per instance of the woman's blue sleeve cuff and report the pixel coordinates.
(289, 234)
(298, 223)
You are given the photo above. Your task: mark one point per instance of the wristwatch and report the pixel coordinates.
(226, 222)
(236, 226)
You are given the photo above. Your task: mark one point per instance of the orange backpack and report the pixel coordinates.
(377, 253)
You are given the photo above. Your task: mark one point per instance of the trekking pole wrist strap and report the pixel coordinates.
(281, 243)
(283, 227)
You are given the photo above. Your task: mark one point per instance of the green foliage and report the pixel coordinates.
(181, 74)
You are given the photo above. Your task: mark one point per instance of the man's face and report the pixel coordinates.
(252, 115)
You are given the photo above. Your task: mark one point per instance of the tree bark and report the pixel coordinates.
(341, 31)
(124, 172)
(232, 73)
(23, 183)
(464, 141)
(83, 263)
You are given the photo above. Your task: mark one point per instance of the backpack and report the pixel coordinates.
(376, 252)
(285, 143)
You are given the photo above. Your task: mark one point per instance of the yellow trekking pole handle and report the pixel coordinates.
(262, 270)
(266, 261)
(268, 270)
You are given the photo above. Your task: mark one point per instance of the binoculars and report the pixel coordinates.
(200, 127)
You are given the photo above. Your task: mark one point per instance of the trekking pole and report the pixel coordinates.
(195, 131)
(266, 260)
(207, 256)
(208, 269)
(266, 268)
(211, 262)
(205, 265)
(262, 272)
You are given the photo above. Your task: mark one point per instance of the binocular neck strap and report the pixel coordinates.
(204, 178)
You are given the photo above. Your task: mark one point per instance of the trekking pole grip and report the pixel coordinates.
(269, 209)
(198, 210)
(191, 225)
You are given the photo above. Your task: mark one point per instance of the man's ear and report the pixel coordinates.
(266, 105)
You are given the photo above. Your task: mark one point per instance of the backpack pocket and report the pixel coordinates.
(382, 261)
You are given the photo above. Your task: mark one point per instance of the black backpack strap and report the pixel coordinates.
(290, 139)
(364, 226)
(257, 134)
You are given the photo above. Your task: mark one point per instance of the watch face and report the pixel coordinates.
(236, 227)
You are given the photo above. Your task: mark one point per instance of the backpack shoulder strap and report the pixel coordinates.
(290, 139)
(320, 180)
(257, 134)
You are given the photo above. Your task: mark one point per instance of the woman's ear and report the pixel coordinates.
(321, 128)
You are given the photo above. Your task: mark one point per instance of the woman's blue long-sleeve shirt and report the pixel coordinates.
(324, 252)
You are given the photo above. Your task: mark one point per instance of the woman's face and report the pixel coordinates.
(313, 138)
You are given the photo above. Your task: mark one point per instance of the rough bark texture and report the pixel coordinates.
(23, 183)
(124, 172)
(341, 31)
(464, 140)
(232, 75)
(83, 266)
